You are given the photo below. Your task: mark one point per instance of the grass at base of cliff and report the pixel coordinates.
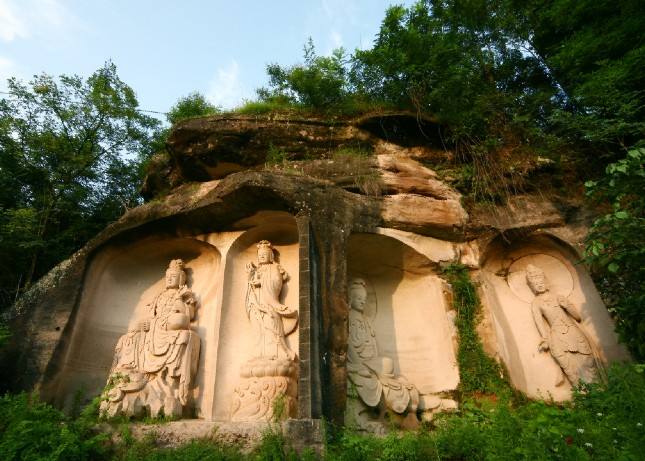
(604, 421)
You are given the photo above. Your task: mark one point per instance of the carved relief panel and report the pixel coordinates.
(257, 327)
(401, 364)
(136, 321)
(156, 360)
(269, 376)
(552, 329)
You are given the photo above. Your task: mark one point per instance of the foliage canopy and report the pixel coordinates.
(71, 151)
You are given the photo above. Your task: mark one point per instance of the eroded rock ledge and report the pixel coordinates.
(347, 199)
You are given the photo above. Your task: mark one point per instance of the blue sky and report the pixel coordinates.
(166, 49)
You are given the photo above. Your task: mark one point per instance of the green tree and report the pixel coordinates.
(595, 51)
(70, 151)
(616, 246)
(193, 105)
(320, 82)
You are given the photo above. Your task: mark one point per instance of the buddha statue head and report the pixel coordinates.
(536, 279)
(357, 294)
(265, 252)
(175, 275)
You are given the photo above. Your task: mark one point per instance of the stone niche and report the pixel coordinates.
(538, 280)
(234, 336)
(410, 370)
(119, 282)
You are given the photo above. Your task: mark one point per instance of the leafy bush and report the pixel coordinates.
(193, 105)
(320, 82)
(32, 430)
(266, 106)
(604, 421)
(616, 246)
(276, 156)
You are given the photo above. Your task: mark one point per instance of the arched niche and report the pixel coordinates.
(119, 282)
(408, 310)
(508, 298)
(235, 339)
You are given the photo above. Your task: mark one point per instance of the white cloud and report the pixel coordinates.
(11, 26)
(44, 18)
(226, 89)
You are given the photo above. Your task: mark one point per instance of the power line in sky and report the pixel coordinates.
(138, 110)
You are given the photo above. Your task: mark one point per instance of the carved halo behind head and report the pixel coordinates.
(559, 279)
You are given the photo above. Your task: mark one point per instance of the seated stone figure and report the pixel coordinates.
(558, 322)
(371, 375)
(154, 363)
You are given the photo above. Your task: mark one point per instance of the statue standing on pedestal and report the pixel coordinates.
(264, 309)
(270, 375)
(155, 362)
(558, 322)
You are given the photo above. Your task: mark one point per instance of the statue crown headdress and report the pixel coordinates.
(357, 282)
(532, 270)
(176, 265)
(265, 244)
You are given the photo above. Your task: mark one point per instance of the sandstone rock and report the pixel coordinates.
(425, 215)
(215, 201)
(402, 174)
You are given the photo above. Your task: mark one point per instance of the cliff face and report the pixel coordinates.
(379, 175)
(397, 159)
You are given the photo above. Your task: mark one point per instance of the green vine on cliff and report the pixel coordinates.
(478, 372)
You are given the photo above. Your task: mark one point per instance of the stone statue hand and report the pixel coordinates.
(145, 325)
(187, 296)
(544, 346)
(250, 268)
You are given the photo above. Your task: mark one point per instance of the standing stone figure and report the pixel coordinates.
(557, 321)
(155, 362)
(267, 388)
(371, 375)
(264, 309)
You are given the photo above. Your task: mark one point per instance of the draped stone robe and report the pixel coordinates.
(569, 345)
(272, 321)
(373, 376)
(162, 352)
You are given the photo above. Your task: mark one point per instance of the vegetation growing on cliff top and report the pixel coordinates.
(561, 83)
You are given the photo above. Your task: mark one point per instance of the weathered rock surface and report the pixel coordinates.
(216, 178)
(208, 148)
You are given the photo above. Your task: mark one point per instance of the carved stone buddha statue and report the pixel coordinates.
(558, 322)
(372, 375)
(155, 362)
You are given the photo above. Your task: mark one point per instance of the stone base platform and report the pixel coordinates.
(301, 433)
